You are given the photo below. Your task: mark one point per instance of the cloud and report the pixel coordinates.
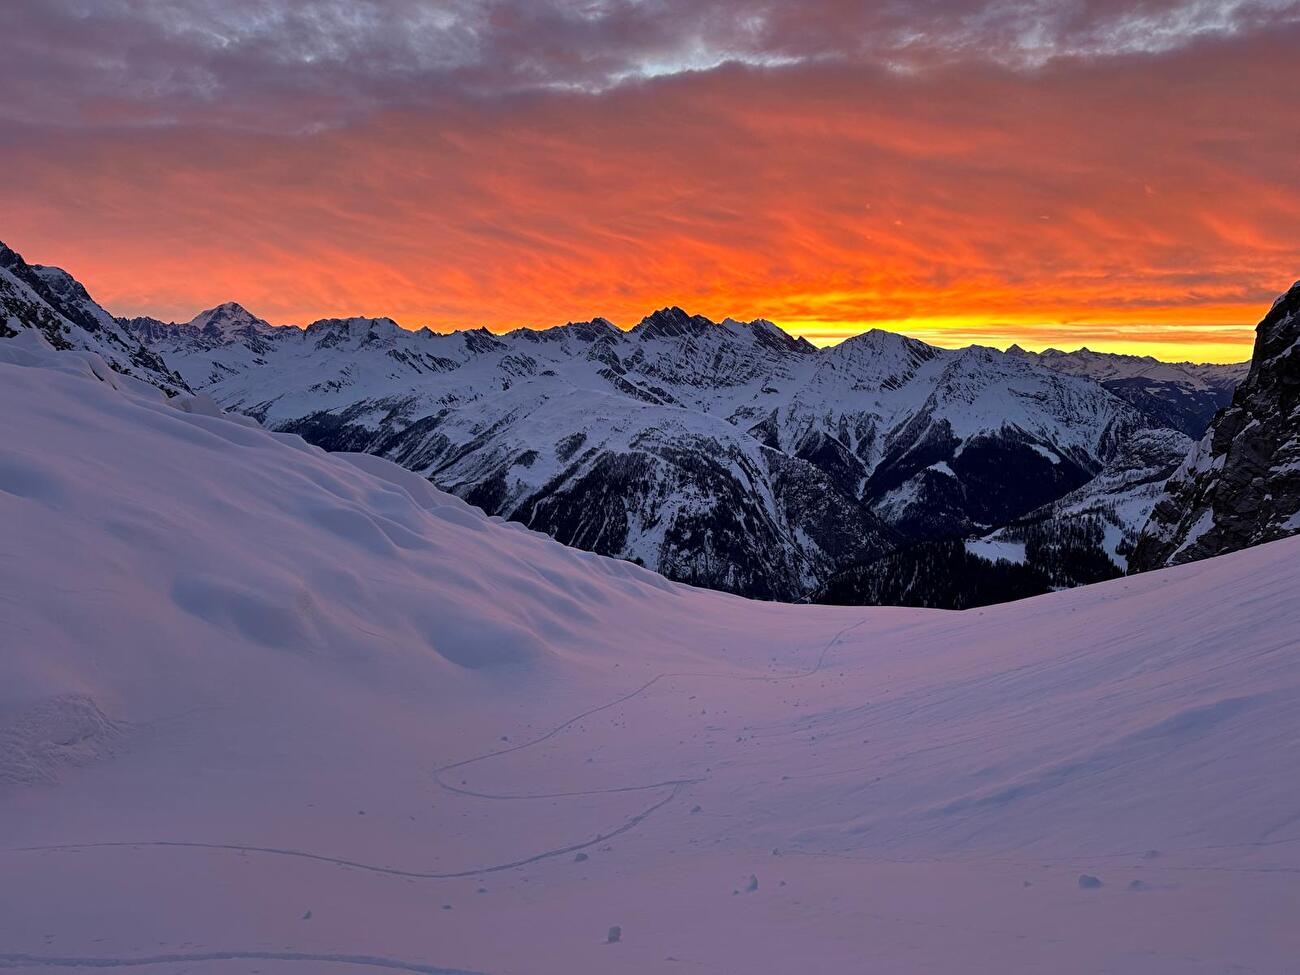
(306, 64)
(482, 166)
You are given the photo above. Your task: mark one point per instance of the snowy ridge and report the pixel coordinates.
(50, 301)
(1182, 395)
(307, 712)
(1104, 366)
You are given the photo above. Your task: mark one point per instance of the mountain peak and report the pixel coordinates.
(879, 340)
(672, 322)
(1289, 294)
(56, 304)
(355, 332)
(480, 340)
(768, 335)
(1279, 331)
(225, 318)
(586, 332)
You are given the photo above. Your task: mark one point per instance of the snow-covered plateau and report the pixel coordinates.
(267, 709)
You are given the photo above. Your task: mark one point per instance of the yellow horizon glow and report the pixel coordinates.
(1214, 334)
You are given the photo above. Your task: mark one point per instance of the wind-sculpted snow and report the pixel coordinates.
(282, 710)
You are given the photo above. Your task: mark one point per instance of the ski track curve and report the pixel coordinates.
(675, 785)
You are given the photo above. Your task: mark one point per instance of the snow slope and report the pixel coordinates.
(268, 709)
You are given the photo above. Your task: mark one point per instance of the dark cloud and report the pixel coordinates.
(306, 64)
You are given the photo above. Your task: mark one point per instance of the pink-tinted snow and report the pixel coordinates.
(268, 709)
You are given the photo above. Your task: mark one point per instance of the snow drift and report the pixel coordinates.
(265, 708)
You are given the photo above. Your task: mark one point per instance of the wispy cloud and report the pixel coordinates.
(313, 63)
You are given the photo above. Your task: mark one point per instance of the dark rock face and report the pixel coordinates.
(54, 303)
(1240, 486)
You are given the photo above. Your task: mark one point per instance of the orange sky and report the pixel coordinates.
(1138, 202)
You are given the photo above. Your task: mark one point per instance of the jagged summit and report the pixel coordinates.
(1277, 334)
(673, 322)
(231, 311)
(354, 326)
(228, 321)
(881, 338)
(589, 331)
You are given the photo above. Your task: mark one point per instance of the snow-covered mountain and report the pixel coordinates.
(263, 708)
(730, 454)
(1088, 535)
(1241, 485)
(52, 302)
(1083, 537)
(1181, 395)
(216, 343)
(725, 454)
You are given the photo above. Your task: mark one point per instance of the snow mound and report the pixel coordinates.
(38, 740)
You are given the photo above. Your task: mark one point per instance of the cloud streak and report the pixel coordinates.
(1121, 174)
(307, 64)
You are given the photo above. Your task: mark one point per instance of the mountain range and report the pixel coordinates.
(725, 454)
(728, 454)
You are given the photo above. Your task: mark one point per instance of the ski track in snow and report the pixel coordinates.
(366, 961)
(676, 785)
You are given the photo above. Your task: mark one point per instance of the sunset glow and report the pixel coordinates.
(1137, 197)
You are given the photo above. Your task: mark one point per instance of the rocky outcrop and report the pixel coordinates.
(1240, 486)
(51, 301)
